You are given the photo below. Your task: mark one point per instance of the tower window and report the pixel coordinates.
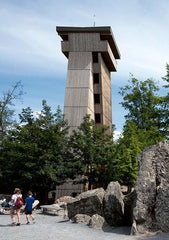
(96, 98)
(96, 77)
(95, 57)
(97, 118)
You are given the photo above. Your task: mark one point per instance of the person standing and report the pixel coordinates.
(28, 207)
(17, 193)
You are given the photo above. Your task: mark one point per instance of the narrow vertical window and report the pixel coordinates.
(95, 57)
(96, 77)
(97, 118)
(96, 98)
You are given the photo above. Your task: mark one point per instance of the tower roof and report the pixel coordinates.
(105, 34)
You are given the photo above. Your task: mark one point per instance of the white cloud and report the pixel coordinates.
(117, 135)
(30, 46)
(37, 114)
(31, 43)
(31, 40)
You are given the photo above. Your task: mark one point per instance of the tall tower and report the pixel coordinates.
(92, 54)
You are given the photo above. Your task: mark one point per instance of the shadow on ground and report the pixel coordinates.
(117, 230)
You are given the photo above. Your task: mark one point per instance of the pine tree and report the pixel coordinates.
(123, 166)
(34, 155)
(6, 112)
(91, 148)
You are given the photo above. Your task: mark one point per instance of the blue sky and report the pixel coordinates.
(30, 49)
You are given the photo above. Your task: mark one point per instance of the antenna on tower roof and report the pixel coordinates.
(94, 24)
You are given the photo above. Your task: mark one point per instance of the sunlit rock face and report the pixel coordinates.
(151, 210)
(89, 203)
(114, 205)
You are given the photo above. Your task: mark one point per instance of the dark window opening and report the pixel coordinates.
(96, 77)
(96, 98)
(97, 118)
(95, 57)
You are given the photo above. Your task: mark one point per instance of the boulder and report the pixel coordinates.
(81, 218)
(151, 210)
(89, 203)
(64, 199)
(114, 205)
(97, 221)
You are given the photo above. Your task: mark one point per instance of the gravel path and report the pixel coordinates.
(56, 228)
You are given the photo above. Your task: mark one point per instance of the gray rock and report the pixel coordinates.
(89, 203)
(81, 218)
(134, 230)
(151, 211)
(97, 222)
(114, 205)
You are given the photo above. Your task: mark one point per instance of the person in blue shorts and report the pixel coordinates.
(28, 208)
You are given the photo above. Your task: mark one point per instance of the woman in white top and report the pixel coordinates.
(17, 193)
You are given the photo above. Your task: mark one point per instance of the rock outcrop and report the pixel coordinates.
(64, 199)
(113, 205)
(97, 222)
(81, 218)
(89, 203)
(146, 208)
(108, 204)
(151, 211)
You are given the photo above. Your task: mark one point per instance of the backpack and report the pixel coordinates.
(4, 204)
(19, 202)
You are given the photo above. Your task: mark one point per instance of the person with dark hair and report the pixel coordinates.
(28, 208)
(17, 193)
(3, 203)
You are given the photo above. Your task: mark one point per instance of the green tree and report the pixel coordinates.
(143, 104)
(143, 127)
(123, 166)
(166, 77)
(35, 155)
(91, 148)
(26, 117)
(6, 113)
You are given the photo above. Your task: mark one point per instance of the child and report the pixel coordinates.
(3, 204)
(28, 208)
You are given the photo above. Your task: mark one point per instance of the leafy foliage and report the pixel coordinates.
(141, 102)
(34, 154)
(144, 106)
(91, 148)
(37, 153)
(6, 113)
(124, 165)
(166, 77)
